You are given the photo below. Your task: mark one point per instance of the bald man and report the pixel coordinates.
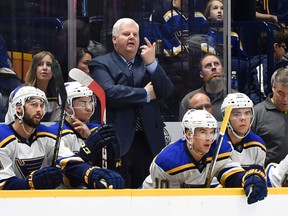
(200, 101)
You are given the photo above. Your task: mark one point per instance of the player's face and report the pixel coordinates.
(211, 68)
(34, 110)
(83, 63)
(44, 72)
(240, 120)
(202, 139)
(84, 108)
(127, 42)
(216, 11)
(280, 96)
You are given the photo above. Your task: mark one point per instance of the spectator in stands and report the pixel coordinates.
(82, 40)
(83, 56)
(8, 79)
(170, 27)
(258, 86)
(96, 48)
(40, 75)
(170, 24)
(200, 101)
(214, 14)
(211, 71)
(8, 82)
(272, 10)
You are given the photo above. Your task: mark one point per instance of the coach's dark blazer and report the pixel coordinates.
(125, 95)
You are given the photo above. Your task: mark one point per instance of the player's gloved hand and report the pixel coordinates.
(45, 178)
(101, 137)
(100, 178)
(254, 183)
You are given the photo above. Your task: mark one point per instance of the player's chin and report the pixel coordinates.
(35, 123)
(88, 115)
(85, 118)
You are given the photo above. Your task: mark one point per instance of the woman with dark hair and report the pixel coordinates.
(40, 75)
(83, 56)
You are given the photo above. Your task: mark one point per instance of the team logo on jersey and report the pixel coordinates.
(26, 166)
(238, 148)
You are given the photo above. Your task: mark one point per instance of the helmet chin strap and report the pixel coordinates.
(191, 147)
(23, 126)
(24, 129)
(20, 117)
(235, 134)
(73, 113)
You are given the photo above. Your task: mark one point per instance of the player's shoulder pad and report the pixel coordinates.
(253, 140)
(175, 158)
(45, 131)
(225, 150)
(7, 134)
(66, 129)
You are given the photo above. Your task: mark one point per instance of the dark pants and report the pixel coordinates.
(136, 163)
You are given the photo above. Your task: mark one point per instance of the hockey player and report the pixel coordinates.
(84, 138)
(248, 147)
(27, 147)
(186, 162)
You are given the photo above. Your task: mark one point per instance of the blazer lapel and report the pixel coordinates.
(123, 67)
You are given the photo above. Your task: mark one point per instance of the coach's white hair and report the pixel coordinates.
(116, 27)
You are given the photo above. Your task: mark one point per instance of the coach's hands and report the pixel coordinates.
(148, 51)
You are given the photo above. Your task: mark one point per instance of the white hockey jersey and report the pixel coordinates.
(174, 167)
(251, 150)
(20, 157)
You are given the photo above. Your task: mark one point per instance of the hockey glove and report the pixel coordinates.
(103, 136)
(45, 178)
(254, 183)
(100, 178)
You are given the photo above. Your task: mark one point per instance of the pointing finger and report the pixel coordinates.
(147, 42)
